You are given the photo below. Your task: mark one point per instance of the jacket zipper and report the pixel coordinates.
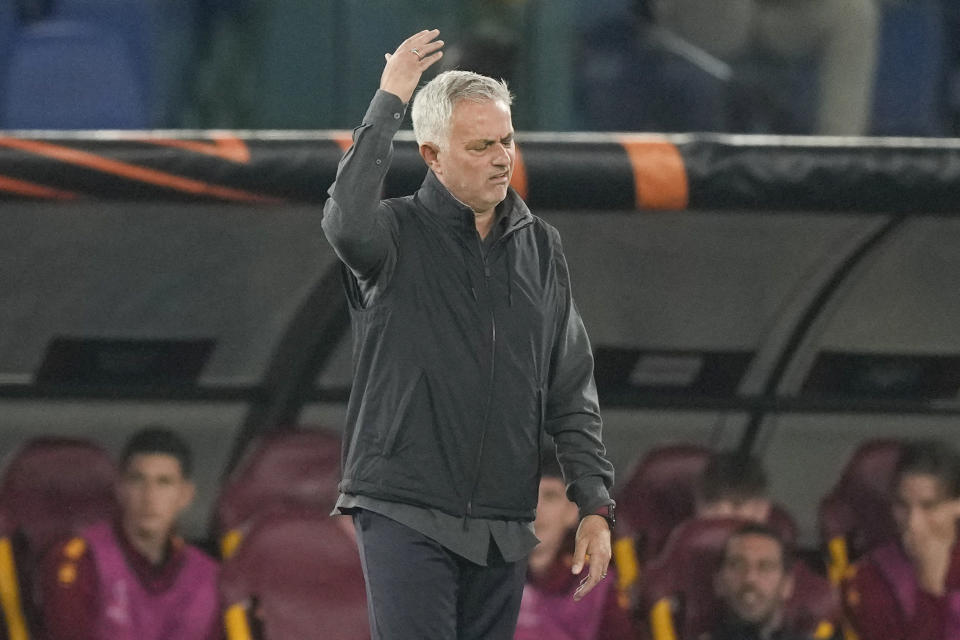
(493, 359)
(489, 401)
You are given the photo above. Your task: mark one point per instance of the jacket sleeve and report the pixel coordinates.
(572, 410)
(357, 224)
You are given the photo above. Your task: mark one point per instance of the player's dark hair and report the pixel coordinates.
(154, 440)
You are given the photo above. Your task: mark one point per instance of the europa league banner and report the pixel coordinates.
(596, 172)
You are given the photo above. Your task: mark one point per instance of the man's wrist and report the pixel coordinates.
(607, 513)
(385, 108)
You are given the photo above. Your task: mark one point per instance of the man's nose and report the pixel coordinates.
(150, 492)
(750, 575)
(915, 518)
(501, 157)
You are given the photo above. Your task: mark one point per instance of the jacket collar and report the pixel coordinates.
(458, 217)
(154, 577)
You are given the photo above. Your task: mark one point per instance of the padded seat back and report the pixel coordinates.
(295, 575)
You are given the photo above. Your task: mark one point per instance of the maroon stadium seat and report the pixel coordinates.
(677, 588)
(14, 611)
(659, 494)
(784, 524)
(678, 597)
(50, 488)
(285, 466)
(295, 575)
(815, 605)
(855, 515)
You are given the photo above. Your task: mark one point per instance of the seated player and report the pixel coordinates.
(754, 584)
(909, 589)
(549, 608)
(135, 579)
(733, 486)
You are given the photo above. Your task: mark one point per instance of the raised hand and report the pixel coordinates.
(929, 541)
(416, 54)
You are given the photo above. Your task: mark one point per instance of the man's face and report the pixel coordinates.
(752, 581)
(477, 164)
(556, 515)
(152, 493)
(921, 504)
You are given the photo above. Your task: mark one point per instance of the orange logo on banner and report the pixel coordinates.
(659, 175)
(132, 172)
(225, 147)
(33, 190)
(344, 140)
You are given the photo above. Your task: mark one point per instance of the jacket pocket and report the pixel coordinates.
(390, 439)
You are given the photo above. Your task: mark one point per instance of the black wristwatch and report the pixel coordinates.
(606, 512)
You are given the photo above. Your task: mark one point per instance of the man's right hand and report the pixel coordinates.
(405, 65)
(929, 541)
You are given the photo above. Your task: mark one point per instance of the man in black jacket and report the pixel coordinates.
(467, 349)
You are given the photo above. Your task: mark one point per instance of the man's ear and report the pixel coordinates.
(187, 493)
(429, 152)
(786, 590)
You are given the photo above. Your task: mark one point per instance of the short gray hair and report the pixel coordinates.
(433, 105)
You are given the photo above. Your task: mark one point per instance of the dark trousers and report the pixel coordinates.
(417, 590)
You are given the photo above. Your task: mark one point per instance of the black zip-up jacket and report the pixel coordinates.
(461, 360)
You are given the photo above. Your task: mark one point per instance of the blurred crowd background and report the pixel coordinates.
(845, 67)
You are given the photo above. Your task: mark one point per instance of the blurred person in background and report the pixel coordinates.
(754, 584)
(755, 37)
(732, 485)
(491, 44)
(136, 579)
(547, 609)
(909, 589)
(468, 347)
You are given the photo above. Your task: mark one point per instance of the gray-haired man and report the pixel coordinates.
(467, 347)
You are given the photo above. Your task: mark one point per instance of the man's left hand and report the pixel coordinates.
(592, 548)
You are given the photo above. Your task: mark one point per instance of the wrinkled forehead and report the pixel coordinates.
(485, 118)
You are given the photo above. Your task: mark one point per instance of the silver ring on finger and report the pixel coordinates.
(416, 52)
